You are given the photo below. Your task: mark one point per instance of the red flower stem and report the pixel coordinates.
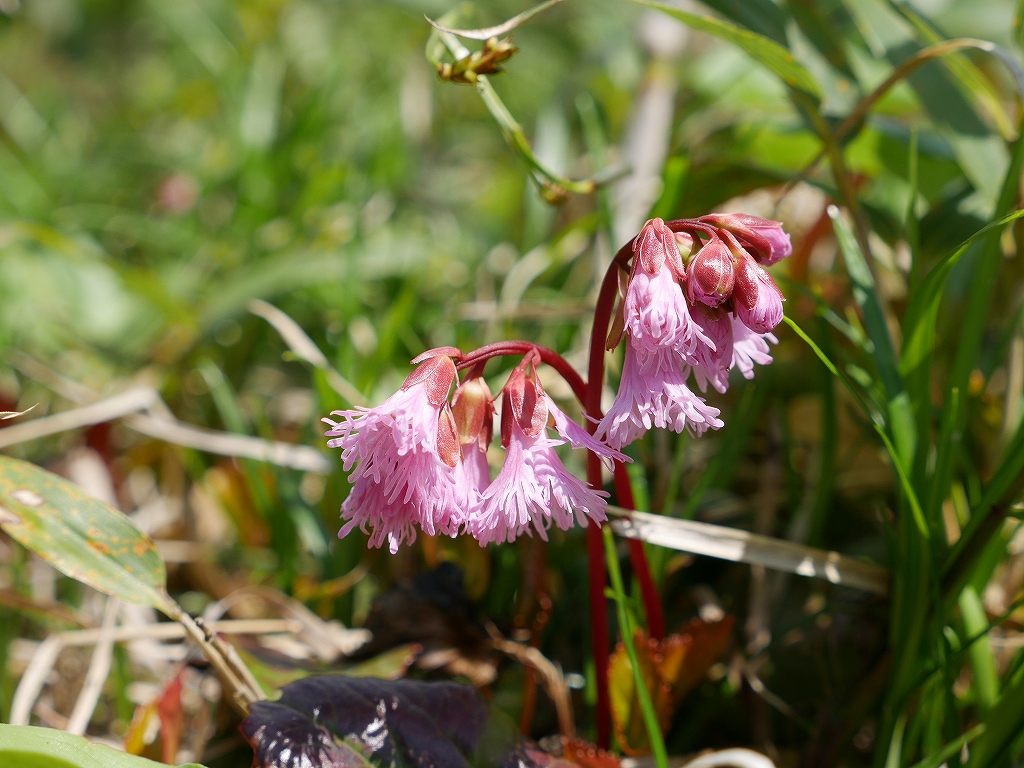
(478, 357)
(624, 492)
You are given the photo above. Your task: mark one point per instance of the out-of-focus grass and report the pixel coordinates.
(162, 164)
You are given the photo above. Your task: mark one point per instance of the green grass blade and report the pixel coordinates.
(908, 489)
(952, 749)
(626, 629)
(972, 326)
(1002, 725)
(767, 52)
(900, 412)
(983, 664)
(972, 80)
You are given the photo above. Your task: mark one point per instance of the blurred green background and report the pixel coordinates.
(162, 164)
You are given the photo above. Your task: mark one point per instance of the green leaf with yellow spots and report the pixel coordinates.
(79, 535)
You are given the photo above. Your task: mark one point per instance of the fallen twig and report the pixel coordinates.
(99, 668)
(46, 654)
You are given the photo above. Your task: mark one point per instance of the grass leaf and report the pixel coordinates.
(769, 53)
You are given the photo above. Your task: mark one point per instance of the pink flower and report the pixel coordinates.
(749, 347)
(533, 488)
(757, 301)
(656, 313)
(712, 275)
(401, 463)
(653, 393)
(713, 363)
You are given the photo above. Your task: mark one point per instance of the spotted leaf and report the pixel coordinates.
(79, 535)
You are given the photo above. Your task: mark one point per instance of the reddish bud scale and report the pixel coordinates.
(764, 237)
(437, 373)
(654, 246)
(746, 283)
(523, 402)
(448, 448)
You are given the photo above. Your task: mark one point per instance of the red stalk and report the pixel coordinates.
(624, 492)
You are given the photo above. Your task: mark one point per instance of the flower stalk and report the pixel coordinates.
(697, 300)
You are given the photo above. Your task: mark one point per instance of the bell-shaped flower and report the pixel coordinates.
(653, 393)
(655, 311)
(533, 488)
(394, 452)
(757, 301)
(712, 275)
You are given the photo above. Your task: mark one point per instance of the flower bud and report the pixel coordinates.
(655, 244)
(437, 373)
(473, 412)
(711, 275)
(765, 237)
(757, 301)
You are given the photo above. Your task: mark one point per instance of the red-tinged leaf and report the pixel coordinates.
(172, 719)
(671, 668)
(710, 640)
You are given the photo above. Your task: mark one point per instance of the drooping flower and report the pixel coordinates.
(400, 462)
(533, 488)
(757, 301)
(653, 393)
(656, 313)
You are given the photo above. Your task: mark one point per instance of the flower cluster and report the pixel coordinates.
(697, 301)
(418, 460)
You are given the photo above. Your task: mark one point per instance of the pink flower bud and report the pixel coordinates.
(473, 412)
(765, 237)
(712, 274)
(757, 301)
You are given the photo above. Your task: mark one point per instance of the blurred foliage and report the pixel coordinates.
(164, 163)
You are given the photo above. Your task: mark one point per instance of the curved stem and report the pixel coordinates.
(478, 357)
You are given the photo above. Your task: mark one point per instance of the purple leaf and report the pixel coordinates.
(406, 721)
